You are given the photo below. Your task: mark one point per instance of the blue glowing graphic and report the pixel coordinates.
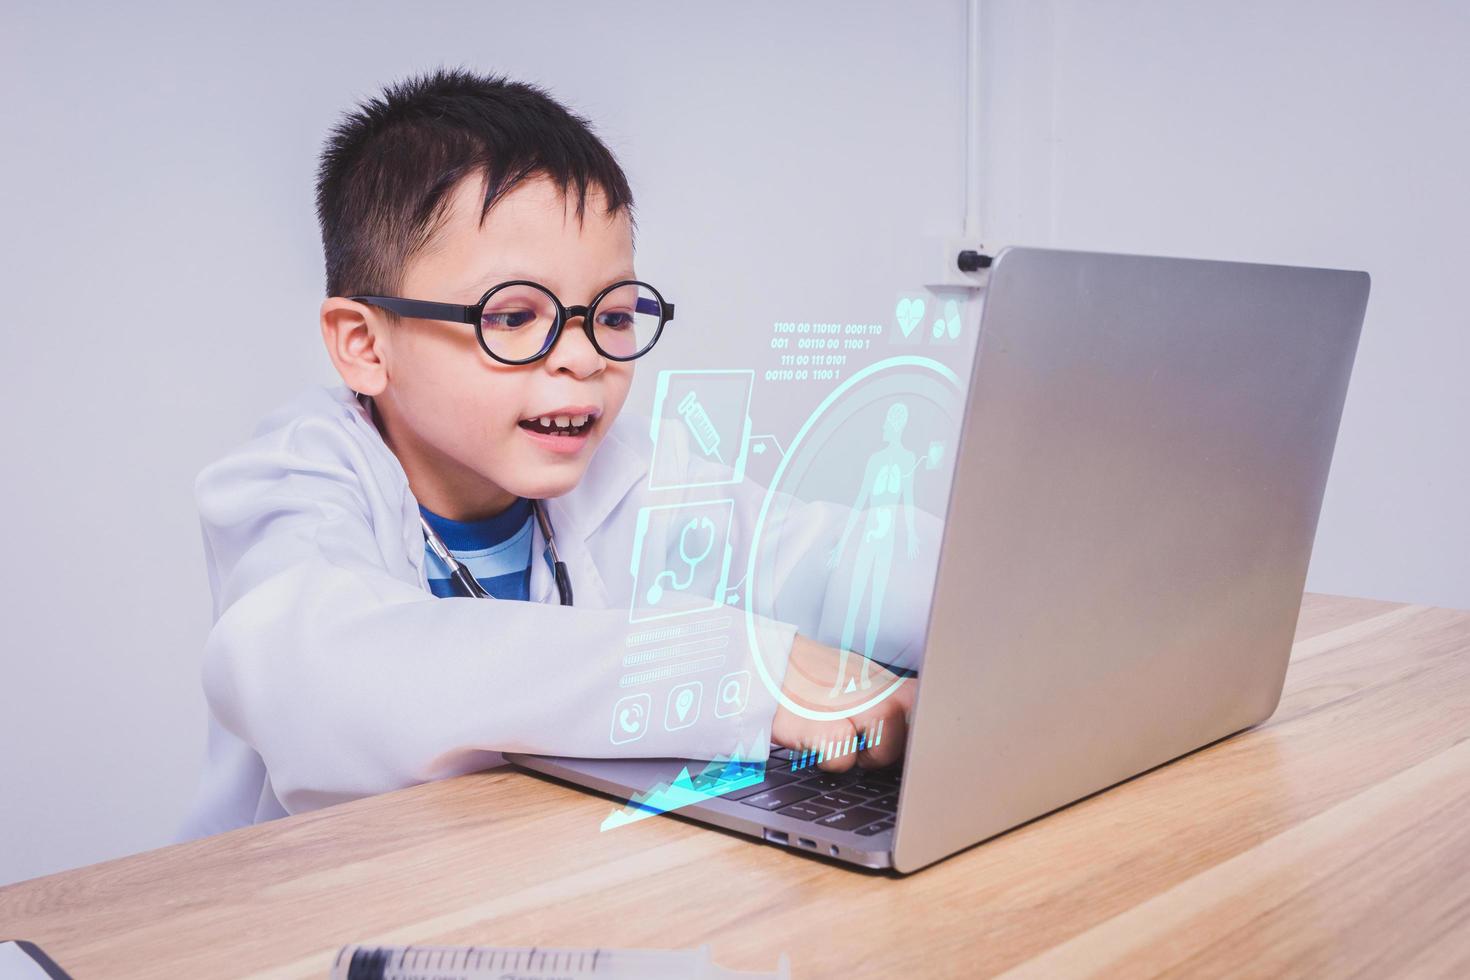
(700, 428)
(908, 371)
(836, 749)
(908, 313)
(721, 775)
(887, 483)
(681, 558)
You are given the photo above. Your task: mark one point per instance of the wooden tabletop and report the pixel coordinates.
(1334, 838)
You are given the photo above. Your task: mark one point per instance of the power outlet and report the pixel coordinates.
(942, 259)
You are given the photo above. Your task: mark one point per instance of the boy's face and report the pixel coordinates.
(450, 412)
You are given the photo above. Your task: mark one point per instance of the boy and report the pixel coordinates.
(353, 651)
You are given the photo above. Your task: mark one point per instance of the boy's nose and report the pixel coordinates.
(573, 349)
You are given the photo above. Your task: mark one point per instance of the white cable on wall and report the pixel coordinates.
(973, 186)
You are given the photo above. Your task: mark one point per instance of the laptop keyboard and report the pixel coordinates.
(864, 801)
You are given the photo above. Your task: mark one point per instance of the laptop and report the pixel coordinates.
(1137, 482)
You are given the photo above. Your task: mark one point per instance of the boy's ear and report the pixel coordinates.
(355, 343)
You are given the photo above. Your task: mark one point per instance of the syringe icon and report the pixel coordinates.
(700, 425)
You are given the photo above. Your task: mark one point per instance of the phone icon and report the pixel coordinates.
(630, 718)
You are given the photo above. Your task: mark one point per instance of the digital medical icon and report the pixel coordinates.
(681, 558)
(935, 454)
(703, 530)
(731, 692)
(887, 483)
(630, 718)
(949, 324)
(908, 313)
(700, 428)
(682, 709)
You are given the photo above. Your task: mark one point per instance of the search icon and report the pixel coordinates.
(731, 692)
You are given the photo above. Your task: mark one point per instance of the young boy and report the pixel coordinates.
(348, 656)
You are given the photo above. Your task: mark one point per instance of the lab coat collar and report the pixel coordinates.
(615, 467)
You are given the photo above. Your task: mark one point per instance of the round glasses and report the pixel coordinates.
(520, 321)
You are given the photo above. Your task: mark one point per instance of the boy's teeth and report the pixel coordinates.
(560, 424)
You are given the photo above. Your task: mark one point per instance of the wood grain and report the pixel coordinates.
(1332, 840)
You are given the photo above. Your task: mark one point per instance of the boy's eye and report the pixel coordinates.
(508, 319)
(618, 320)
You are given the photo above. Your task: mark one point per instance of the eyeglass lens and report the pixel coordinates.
(517, 321)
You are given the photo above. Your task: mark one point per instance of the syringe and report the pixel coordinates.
(358, 962)
(700, 426)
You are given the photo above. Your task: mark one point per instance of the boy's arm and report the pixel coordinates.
(349, 681)
(807, 593)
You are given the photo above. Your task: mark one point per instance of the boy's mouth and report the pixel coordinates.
(574, 420)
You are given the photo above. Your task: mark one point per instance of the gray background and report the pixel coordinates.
(162, 270)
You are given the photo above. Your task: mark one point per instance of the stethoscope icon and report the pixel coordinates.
(656, 591)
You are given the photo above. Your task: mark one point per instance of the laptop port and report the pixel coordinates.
(804, 842)
(777, 836)
(832, 850)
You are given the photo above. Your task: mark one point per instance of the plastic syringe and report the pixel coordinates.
(358, 962)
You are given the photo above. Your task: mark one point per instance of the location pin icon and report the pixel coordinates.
(684, 701)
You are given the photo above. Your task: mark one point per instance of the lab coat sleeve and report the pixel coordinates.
(349, 680)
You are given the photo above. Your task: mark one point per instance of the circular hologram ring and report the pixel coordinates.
(914, 378)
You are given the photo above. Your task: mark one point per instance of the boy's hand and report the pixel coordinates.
(811, 674)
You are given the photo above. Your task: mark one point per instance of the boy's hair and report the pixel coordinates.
(387, 169)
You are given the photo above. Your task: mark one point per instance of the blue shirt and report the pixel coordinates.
(496, 550)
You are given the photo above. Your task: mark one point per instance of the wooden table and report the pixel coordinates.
(1334, 838)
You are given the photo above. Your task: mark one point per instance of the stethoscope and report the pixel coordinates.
(656, 591)
(464, 581)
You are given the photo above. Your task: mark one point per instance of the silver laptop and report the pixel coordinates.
(1138, 478)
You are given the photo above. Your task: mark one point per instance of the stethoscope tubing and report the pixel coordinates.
(464, 580)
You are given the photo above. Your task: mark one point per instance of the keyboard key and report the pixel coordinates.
(864, 787)
(837, 799)
(858, 816)
(875, 828)
(823, 781)
(805, 811)
(887, 803)
(781, 796)
(772, 780)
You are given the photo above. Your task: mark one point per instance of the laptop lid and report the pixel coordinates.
(1138, 481)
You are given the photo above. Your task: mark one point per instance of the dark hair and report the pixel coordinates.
(386, 169)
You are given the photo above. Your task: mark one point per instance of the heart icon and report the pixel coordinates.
(909, 313)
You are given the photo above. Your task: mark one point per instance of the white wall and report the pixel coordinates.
(162, 271)
(162, 274)
(1307, 132)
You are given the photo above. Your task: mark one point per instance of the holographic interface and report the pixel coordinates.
(806, 489)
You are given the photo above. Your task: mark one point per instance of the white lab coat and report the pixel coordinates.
(332, 672)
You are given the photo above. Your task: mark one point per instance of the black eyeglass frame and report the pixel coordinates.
(474, 314)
